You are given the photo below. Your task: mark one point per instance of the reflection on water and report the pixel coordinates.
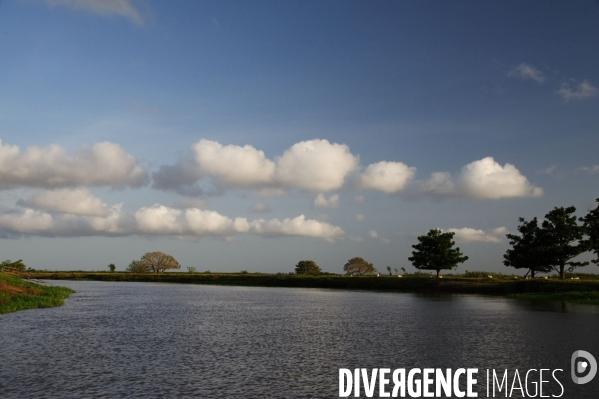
(159, 340)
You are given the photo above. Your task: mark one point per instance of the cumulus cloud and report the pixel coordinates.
(467, 234)
(583, 91)
(355, 239)
(105, 164)
(373, 234)
(360, 199)
(315, 165)
(482, 179)
(388, 177)
(159, 220)
(108, 8)
(525, 71)
(233, 165)
(299, 226)
(321, 201)
(78, 201)
(360, 217)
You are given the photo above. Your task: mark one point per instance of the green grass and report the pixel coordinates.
(17, 294)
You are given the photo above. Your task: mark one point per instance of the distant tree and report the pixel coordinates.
(112, 267)
(191, 269)
(158, 262)
(435, 252)
(389, 270)
(563, 236)
(137, 266)
(359, 266)
(17, 265)
(528, 249)
(307, 267)
(591, 225)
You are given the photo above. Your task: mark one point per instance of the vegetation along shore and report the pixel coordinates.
(580, 288)
(18, 294)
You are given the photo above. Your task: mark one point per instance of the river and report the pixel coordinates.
(144, 340)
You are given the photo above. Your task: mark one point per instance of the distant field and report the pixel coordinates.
(497, 285)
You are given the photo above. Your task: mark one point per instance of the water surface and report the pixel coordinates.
(144, 340)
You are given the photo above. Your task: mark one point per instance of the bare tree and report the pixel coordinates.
(158, 262)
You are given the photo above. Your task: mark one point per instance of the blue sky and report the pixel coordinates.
(253, 134)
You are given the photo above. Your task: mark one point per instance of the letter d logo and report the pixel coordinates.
(581, 366)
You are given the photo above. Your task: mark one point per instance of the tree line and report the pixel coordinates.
(539, 248)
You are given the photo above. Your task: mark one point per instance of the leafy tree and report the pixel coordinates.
(435, 252)
(111, 267)
(562, 236)
(191, 269)
(137, 266)
(528, 249)
(591, 225)
(307, 267)
(389, 270)
(158, 262)
(359, 266)
(18, 265)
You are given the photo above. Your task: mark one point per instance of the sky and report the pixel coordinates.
(250, 135)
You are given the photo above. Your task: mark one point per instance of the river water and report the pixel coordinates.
(143, 340)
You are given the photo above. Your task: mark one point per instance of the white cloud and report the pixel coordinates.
(159, 220)
(315, 165)
(440, 184)
(122, 8)
(547, 171)
(590, 169)
(105, 164)
(355, 239)
(467, 234)
(321, 201)
(360, 199)
(388, 177)
(482, 179)
(260, 207)
(584, 90)
(376, 236)
(299, 226)
(486, 178)
(360, 217)
(525, 71)
(79, 201)
(233, 165)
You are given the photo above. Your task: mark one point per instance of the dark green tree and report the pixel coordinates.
(435, 252)
(137, 266)
(528, 249)
(389, 270)
(591, 225)
(562, 236)
(307, 267)
(112, 267)
(359, 266)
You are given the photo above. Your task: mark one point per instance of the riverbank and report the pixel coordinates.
(18, 294)
(580, 291)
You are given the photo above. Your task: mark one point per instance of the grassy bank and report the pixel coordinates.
(17, 294)
(547, 289)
